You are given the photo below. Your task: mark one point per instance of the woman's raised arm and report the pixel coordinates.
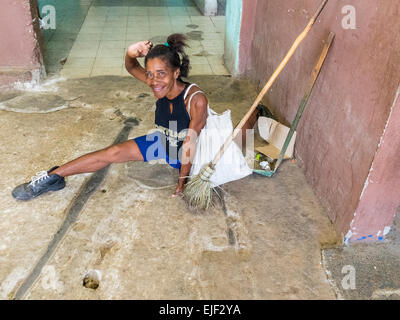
(137, 50)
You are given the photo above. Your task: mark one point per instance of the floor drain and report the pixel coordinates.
(92, 279)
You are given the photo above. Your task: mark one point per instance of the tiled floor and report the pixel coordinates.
(111, 26)
(57, 43)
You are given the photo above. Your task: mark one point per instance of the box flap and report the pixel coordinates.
(275, 134)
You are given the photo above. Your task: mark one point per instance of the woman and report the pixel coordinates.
(181, 113)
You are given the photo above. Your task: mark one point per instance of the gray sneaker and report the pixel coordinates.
(39, 184)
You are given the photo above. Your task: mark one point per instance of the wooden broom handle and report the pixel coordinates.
(268, 85)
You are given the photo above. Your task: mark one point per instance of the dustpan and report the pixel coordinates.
(275, 134)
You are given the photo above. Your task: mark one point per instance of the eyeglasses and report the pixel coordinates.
(157, 75)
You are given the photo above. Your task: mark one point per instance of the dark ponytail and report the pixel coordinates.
(173, 53)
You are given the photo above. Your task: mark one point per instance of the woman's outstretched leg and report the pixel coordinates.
(53, 179)
(94, 161)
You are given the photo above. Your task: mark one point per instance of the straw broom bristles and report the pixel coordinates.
(198, 191)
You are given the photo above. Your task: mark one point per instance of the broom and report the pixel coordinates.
(198, 191)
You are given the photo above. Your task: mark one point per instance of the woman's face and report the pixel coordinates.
(160, 77)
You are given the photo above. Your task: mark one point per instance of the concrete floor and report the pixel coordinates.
(263, 242)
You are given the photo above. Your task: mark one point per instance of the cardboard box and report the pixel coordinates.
(274, 133)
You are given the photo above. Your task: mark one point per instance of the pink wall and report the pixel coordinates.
(381, 196)
(341, 127)
(20, 49)
(246, 34)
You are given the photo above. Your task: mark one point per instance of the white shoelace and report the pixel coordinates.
(39, 177)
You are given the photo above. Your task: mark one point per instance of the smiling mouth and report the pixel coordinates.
(158, 89)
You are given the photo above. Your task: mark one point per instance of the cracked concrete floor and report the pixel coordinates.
(263, 242)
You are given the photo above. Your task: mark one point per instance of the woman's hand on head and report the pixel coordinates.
(139, 49)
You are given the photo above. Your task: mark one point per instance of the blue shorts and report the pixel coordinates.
(151, 147)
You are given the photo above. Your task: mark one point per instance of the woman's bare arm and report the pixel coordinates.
(198, 116)
(137, 50)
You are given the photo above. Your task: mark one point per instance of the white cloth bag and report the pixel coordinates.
(232, 165)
